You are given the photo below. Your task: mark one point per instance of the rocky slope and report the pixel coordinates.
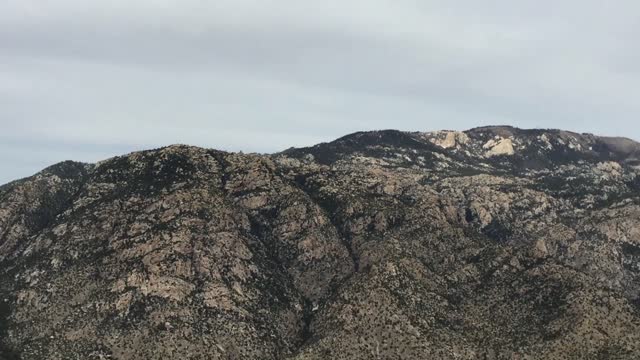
(494, 243)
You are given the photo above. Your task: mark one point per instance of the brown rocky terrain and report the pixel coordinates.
(493, 243)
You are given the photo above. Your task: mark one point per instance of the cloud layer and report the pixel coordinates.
(87, 80)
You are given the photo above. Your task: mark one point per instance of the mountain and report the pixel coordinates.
(493, 243)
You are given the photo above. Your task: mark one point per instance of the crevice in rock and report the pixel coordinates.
(307, 318)
(353, 254)
(329, 208)
(6, 351)
(261, 233)
(223, 166)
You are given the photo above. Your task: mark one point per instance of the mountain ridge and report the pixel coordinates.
(492, 243)
(623, 144)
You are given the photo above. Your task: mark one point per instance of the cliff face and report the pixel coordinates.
(494, 243)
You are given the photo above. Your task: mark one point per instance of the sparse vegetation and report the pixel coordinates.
(495, 243)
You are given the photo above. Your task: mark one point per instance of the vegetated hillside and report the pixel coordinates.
(493, 243)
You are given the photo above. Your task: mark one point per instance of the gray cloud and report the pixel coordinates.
(87, 80)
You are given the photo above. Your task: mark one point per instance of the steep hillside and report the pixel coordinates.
(493, 243)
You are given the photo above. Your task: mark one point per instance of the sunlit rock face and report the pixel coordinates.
(493, 243)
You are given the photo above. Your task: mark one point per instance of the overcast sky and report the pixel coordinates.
(86, 80)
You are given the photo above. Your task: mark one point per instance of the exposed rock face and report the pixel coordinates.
(498, 146)
(448, 139)
(494, 243)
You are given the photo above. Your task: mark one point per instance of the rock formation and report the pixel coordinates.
(493, 243)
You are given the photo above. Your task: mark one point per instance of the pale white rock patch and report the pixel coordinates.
(499, 146)
(451, 139)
